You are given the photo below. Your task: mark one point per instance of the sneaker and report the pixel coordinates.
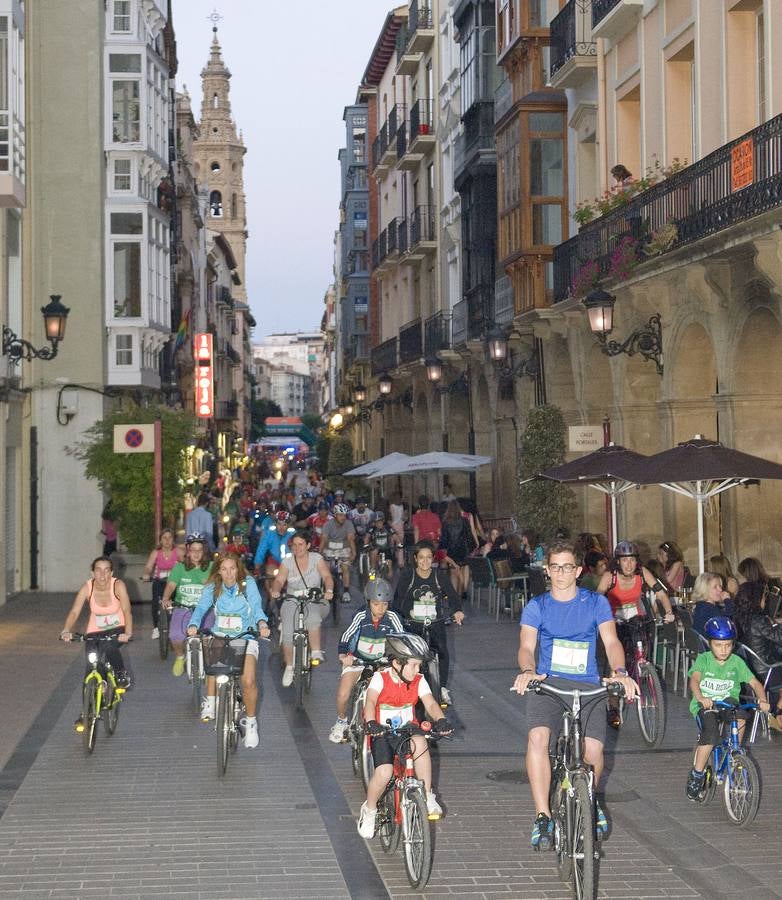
(155, 634)
(208, 705)
(179, 667)
(695, 785)
(79, 725)
(287, 676)
(433, 809)
(601, 823)
(250, 727)
(366, 821)
(614, 717)
(317, 656)
(542, 832)
(346, 598)
(338, 729)
(445, 696)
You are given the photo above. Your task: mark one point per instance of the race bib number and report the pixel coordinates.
(336, 545)
(627, 612)
(569, 657)
(164, 573)
(425, 608)
(228, 624)
(396, 715)
(108, 620)
(716, 688)
(381, 540)
(370, 647)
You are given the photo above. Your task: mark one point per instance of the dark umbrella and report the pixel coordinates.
(701, 469)
(612, 470)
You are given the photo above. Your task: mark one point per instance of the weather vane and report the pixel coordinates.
(214, 18)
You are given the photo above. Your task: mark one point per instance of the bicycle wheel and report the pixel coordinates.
(650, 705)
(299, 669)
(194, 667)
(367, 762)
(363, 569)
(336, 600)
(223, 728)
(709, 786)
(433, 677)
(387, 829)
(89, 714)
(274, 636)
(237, 710)
(742, 789)
(558, 806)
(162, 628)
(112, 701)
(583, 838)
(418, 840)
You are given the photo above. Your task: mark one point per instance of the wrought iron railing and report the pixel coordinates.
(459, 323)
(421, 119)
(437, 333)
(571, 32)
(392, 240)
(411, 346)
(383, 357)
(736, 182)
(601, 8)
(376, 153)
(503, 301)
(478, 133)
(419, 17)
(422, 225)
(401, 139)
(395, 119)
(401, 235)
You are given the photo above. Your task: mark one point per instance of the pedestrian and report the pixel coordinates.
(201, 521)
(109, 530)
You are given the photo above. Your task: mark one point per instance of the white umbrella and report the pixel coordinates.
(434, 461)
(376, 466)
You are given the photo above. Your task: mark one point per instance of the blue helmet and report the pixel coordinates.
(720, 628)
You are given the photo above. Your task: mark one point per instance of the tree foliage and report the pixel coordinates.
(340, 460)
(127, 479)
(543, 505)
(260, 410)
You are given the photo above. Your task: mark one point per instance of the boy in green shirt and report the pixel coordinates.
(717, 675)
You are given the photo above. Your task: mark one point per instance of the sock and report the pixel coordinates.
(697, 773)
(251, 720)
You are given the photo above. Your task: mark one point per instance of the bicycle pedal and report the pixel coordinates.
(120, 691)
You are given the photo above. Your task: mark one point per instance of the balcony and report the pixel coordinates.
(383, 357)
(379, 250)
(227, 410)
(224, 297)
(503, 98)
(422, 233)
(476, 151)
(392, 240)
(379, 148)
(407, 62)
(411, 345)
(420, 27)
(420, 135)
(233, 355)
(735, 183)
(503, 301)
(573, 55)
(612, 19)
(437, 333)
(401, 235)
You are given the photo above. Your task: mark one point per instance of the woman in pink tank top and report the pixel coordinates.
(159, 564)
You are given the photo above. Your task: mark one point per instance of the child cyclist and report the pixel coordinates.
(364, 641)
(716, 675)
(392, 696)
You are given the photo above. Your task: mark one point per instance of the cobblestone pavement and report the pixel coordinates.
(147, 816)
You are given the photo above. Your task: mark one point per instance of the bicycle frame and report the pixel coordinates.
(730, 744)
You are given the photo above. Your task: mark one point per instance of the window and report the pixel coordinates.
(122, 175)
(124, 349)
(234, 207)
(546, 177)
(124, 62)
(126, 223)
(215, 168)
(359, 145)
(216, 205)
(127, 279)
(121, 18)
(215, 101)
(125, 112)
(468, 64)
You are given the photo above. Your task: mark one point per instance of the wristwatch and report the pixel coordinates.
(620, 671)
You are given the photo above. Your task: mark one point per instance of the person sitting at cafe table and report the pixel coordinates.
(763, 637)
(672, 561)
(720, 565)
(709, 599)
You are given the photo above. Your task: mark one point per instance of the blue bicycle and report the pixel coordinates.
(730, 766)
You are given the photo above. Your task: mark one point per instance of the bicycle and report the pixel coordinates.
(401, 810)
(650, 703)
(302, 658)
(194, 666)
(335, 567)
(360, 747)
(364, 565)
(162, 627)
(433, 666)
(225, 660)
(100, 692)
(571, 796)
(731, 766)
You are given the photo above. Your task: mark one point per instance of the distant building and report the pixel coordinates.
(301, 354)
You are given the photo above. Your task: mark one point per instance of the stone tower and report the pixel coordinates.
(219, 161)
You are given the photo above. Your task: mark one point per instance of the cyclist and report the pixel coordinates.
(183, 590)
(381, 539)
(624, 585)
(159, 565)
(338, 545)
(109, 606)
(362, 519)
(273, 546)
(421, 594)
(316, 523)
(363, 641)
(234, 599)
(391, 697)
(302, 570)
(563, 625)
(303, 509)
(715, 675)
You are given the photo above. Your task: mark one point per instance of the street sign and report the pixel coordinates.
(585, 438)
(134, 438)
(204, 388)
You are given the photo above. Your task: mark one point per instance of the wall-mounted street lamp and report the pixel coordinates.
(647, 341)
(434, 369)
(54, 317)
(360, 393)
(385, 383)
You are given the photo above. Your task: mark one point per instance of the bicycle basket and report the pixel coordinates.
(220, 658)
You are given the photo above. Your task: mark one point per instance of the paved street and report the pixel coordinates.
(147, 816)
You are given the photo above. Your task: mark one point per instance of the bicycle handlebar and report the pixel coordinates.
(78, 637)
(408, 730)
(722, 704)
(613, 688)
(314, 595)
(427, 623)
(249, 633)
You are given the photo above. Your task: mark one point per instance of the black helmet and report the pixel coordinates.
(404, 646)
(626, 548)
(195, 538)
(720, 628)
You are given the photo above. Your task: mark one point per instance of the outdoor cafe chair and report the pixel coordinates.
(757, 664)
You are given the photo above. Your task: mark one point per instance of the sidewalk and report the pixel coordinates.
(147, 816)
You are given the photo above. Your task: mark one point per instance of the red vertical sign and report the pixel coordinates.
(204, 374)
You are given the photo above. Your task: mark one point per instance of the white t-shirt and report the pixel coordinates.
(397, 513)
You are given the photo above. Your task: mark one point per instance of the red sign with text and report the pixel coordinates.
(204, 375)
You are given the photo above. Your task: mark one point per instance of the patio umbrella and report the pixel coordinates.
(376, 465)
(701, 469)
(612, 469)
(437, 460)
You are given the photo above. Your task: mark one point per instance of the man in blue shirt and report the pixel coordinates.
(200, 521)
(563, 625)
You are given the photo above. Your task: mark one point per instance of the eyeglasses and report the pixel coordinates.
(562, 570)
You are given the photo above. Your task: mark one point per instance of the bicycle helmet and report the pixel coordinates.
(361, 501)
(340, 509)
(720, 628)
(283, 516)
(339, 492)
(195, 538)
(378, 589)
(379, 514)
(404, 646)
(626, 548)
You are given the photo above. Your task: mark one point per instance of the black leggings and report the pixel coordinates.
(112, 654)
(438, 641)
(158, 588)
